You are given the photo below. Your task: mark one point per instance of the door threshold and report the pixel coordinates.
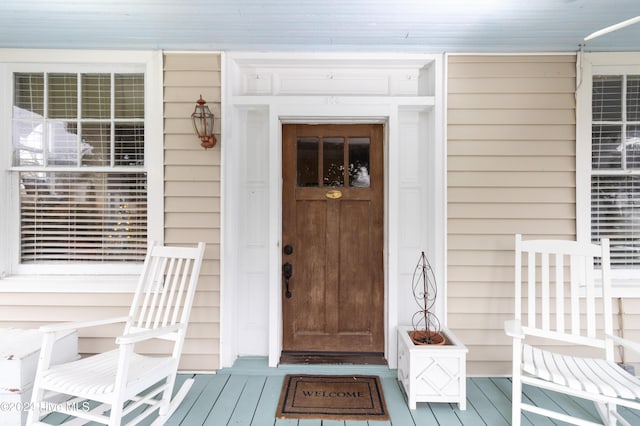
(357, 358)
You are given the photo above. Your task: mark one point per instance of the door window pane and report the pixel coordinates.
(307, 161)
(333, 161)
(359, 162)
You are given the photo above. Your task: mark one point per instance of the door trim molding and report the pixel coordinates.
(414, 121)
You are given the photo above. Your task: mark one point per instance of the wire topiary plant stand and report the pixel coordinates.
(431, 359)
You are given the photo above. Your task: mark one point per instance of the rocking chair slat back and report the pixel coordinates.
(166, 287)
(570, 279)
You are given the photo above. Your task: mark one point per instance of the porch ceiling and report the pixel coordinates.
(295, 25)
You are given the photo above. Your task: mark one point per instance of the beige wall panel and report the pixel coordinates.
(511, 169)
(192, 190)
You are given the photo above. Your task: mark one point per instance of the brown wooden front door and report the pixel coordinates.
(333, 238)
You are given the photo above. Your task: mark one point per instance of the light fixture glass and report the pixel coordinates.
(203, 120)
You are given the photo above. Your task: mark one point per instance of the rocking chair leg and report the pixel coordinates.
(609, 414)
(166, 396)
(175, 402)
(516, 403)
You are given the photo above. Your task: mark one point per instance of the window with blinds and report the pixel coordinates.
(79, 155)
(615, 166)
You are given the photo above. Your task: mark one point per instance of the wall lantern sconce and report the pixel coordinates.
(202, 118)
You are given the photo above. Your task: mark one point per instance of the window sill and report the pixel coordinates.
(69, 284)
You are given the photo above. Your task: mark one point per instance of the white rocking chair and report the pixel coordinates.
(122, 380)
(566, 291)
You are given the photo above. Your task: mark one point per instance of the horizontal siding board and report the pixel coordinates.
(511, 85)
(543, 67)
(192, 204)
(191, 62)
(512, 211)
(186, 173)
(196, 158)
(192, 220)
(210, 93)
(508, 164)
(512, 179)
(496, 258)
(508, 226)
(460, 194)
(192, 78)
(193, 188)
(208, 235)
(510, 148)
(498, 59)
(509, 101)
(510, 116)
(509, 131)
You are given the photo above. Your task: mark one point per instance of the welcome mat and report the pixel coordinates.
(332, 397)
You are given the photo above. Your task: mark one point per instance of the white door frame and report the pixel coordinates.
(261, 93)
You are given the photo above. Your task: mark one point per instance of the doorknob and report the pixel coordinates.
(287, 272)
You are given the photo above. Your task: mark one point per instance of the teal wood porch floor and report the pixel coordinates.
(248, 394)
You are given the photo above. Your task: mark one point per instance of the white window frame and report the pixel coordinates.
(77, 276)
(588, 65)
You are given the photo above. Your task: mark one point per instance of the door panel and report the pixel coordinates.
(333, 219)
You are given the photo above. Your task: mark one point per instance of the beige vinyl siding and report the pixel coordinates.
(192, 192)
(511, 169)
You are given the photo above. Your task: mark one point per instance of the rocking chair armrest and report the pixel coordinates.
(513, 328)
(64, 326)
(634, 346)
(147, 334)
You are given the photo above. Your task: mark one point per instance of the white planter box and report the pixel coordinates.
(432, 373)
(19, 352)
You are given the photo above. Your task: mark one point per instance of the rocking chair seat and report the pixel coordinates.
(92, 377)
(583, 375)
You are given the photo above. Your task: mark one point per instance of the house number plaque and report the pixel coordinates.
(333, 194)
